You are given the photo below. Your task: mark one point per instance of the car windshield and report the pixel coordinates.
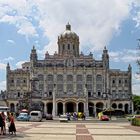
(34, 114)
(23, 114)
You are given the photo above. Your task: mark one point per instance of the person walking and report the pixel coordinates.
(4, 123)
(12, 128)
(1, 124)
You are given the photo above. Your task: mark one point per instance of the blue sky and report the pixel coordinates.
(99, 23)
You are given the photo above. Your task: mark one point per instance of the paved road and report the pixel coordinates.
(54, 130)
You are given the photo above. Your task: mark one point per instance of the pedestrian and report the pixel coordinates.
(83, 116)
(1, 125)
(12, 128)
(4, 123)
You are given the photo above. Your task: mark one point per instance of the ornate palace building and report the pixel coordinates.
(69, 81)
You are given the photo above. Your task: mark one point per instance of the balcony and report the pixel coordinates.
(70, 95)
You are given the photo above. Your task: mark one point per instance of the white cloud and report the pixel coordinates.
(124, 56)
(19, 64)
(137, 19)
(96, 22)
(2, 66)
(2, 85)
(136, 84)
(11, 41)
(6, 60)
(136, 89)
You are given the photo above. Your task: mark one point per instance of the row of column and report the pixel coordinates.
(55, 108)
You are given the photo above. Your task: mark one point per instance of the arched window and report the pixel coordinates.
(63, 46)
(70, 87)
(120, 106)
(50, 77)
(69, 78)
(89, 78)
(24, 81)
(18, 94)
(68, 46)
(114, 105)
(18, 81)
(59, 78)
(40, 77)
(73, 47)
(79, 87)
(79, 78)
(60, 87)
(50, 87)
(12, 80)
(99, 78)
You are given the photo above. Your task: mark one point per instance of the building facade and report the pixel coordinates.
(69, 81)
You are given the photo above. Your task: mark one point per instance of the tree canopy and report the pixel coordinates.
(136, 101)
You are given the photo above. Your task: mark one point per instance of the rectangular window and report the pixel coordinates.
(68, 46)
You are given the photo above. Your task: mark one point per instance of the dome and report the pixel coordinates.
(68, 33)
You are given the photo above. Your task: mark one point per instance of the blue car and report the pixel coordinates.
(23, 117)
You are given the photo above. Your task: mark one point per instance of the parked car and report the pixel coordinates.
(63, 118)
(35, 115)
(49, 117)
(23, 117)
(104, 118)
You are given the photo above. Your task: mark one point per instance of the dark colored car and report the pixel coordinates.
(104, 118)
(49, 117)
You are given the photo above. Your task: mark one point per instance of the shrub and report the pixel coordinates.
(136, 121)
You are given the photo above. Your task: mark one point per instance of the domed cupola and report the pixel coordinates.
(68, 42)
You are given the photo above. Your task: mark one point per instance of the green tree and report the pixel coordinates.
(136, 101)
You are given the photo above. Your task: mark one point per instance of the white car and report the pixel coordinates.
(63, 118)
(35, 116)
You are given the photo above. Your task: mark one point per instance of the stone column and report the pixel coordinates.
(123, 108)
(56, 110)
(132, 106)
(45, 109)
(64, 109)
(86, 103)
(15, 107)
(76, 107)
(95, 110)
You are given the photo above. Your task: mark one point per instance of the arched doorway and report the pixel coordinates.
(80, 107)
(120, 106)
(126, 109)
(114, 105)
(99, 107)
(49, 108)
(70, 107)
(60, 108)
(91, 109)
(12, 107)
